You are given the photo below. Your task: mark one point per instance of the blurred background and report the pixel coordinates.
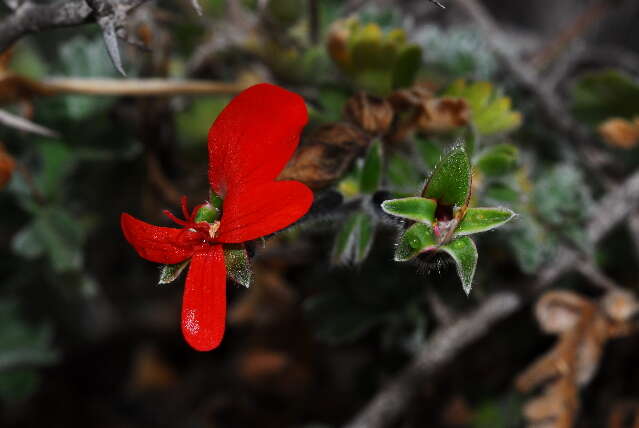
(332, 332)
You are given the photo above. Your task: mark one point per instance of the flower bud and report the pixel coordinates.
(207, 213)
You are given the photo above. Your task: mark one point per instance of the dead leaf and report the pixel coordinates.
(620, 133)
(374, 115)
(150, 371)
(443, 114)
(325, 155)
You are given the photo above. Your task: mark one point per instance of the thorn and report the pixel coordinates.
(22, 124)
(111, 41)
(198, 8)
(435, 2)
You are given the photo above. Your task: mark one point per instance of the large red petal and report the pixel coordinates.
(263, 209)
(254, 137)
(204, 303)
(155, 243)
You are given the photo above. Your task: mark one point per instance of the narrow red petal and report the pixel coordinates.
(154, 243)
(254, 137)
(263, 209)
(204, 302)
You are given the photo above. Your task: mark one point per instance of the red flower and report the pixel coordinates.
(249, 144)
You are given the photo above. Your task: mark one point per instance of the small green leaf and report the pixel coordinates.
(498, 160)
(417, 239)
(414, 208)
(62, 237)
(600, 95)
(406, 67)
(429, 152)
(482, 219)
(371, 176)
(26, 243)
(354, 240)
(238, 266)
(500, 192)
(450, 182)
(464, 253)
(169, 273)
(402, 174)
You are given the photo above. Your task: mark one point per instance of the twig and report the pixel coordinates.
(22, 124)
(592, 14)
(140, 87)
(447, 341)
(442, 313)
(30, 18)
(551, 105)
(588, 269)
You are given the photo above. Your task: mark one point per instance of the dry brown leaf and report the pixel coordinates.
(374, 115)
(7, 165)
(326, 155)
(620, 133)
(584, 326)
(443, 114)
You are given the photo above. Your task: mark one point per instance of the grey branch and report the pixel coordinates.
(30, 18)
(448, 341)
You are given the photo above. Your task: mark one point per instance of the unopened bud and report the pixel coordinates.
(207, 213)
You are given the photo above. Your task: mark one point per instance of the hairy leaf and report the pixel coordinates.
(413, 208)
(482, 219)
(450, 182)
(416, 239)
(464, 253)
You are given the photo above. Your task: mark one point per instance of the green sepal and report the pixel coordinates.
(354, 240)
(450, 182)
(464, 253)
(169, 273)
(417, 239)
(238, 266)
(371, 174)
(483, 219)
(207, 213)
(215, 200)
(498, 160)
(413, 208)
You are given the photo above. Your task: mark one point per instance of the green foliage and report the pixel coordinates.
(599, 95)
(82, 57)
(194, 122)
(238, 265)
(401, 173)
(498, 160)
(450, 181)
(412, 208)
(428, 151)
(417, 239)
(23, 348)
(377, 61)
(491, 113)
(354, 240)
(169, 273)
(483, 219)
(464, 253)
(285, 12)
(371, 174)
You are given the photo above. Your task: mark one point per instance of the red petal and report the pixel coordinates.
(204, 302)
(263, 209)
(154, 243)
(254, 137)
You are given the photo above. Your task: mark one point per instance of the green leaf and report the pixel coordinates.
(414, 208)
(57, 163)
(498, 160)
(450, 182)
(238, 266)
(194, 122)
(371, 175)
(354, 240)
(429, 151)
(491, 113)
(402, 174)
(600, 95)
(483, 219)
(417, 239)
(500, 192)
(464, 253)
(406, 67)
(62, 237)
(169, 273)
(26, 243)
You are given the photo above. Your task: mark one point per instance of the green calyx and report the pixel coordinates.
(207, 213)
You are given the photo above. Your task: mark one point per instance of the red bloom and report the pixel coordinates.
(249, 144)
